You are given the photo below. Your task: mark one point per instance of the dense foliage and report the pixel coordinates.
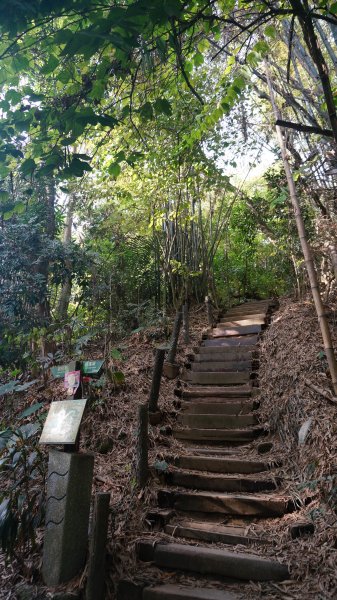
(118, 123)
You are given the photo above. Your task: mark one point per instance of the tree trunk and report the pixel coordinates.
(309, 262)
(63, 303)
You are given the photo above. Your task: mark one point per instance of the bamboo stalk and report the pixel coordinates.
(319, 390)
(308, 258)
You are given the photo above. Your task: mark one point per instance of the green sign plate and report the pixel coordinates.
(92, 367)
(59, 371)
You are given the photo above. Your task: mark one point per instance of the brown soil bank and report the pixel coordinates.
(291, 356)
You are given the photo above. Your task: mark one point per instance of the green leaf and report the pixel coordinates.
(270, 31)
(27, 431)
(118, 377)
(107, 121)
(161, 466)
(77, 168)
(64, 76)
(172, 8)
(8, 215)
(28, 166)
(133, 157)
(31, 410)
(19, 208)
(261, 47)
(146, 111)
(13, 96)
(162, 106)
(198, 59)
(63, 36)
(51, 65)
(24, 386)
(8, 387)
(20, 63)
(116, 354)
(188, 66)
(4, 196)
(333, 8)
(114, 169)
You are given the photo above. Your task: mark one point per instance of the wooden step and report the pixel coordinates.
(221, 366)
(221, 407)
(180, 592)
(245, 313)
(210, 378)
(214, 451)
(223, 355)
(220, 331)
(209, 561)
(237, 341)
(221, 465)
(216, 421)
(239, 391)
(223, 401)
(212, 533)
(219, 483)
(245, 505)
(239, 318)
(266, 302)
(236, 436)
(232, 322)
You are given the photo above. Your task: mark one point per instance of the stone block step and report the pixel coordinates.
(216, 421)
(219, 406)
(210, 378)
(221, 465)
(228, 342)
(244, 505)
(209, 561)
(221, 366)
(239, 391)
(220, 331)
(212, 533)
(235, 436)
(219, 483)
(243, 322)
(179, 592)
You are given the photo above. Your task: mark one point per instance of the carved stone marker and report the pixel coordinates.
(67, 515)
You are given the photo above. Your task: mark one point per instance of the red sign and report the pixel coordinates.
(72, 381)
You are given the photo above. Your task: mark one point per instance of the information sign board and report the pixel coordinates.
(63, 422)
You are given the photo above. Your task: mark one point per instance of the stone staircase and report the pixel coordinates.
(221, 480)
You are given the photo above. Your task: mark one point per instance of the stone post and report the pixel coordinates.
(67, 515)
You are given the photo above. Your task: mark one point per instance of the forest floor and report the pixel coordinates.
(290, 354)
